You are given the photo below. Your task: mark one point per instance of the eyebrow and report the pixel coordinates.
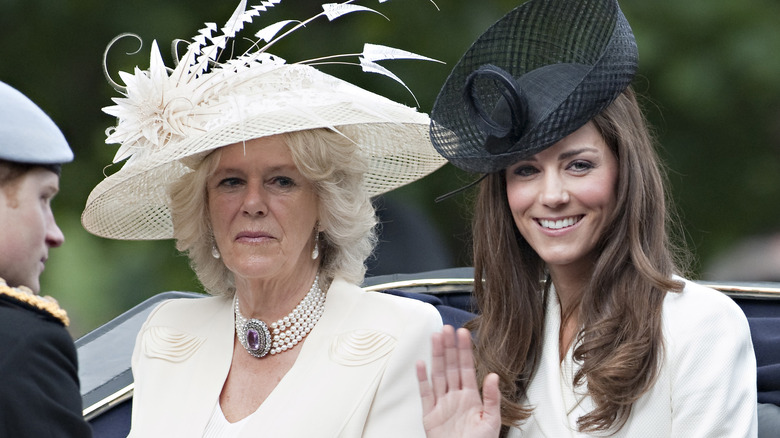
(575, 152)
(567, 154)
(272, 169)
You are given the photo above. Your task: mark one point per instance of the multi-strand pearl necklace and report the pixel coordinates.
(284, 334)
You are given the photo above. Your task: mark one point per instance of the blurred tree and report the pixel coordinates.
(708, 70)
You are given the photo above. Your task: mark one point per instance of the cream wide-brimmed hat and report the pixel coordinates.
(169, 120)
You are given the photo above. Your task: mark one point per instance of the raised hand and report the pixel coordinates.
(452, 406)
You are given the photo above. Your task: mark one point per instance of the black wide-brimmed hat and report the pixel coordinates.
(535, 76)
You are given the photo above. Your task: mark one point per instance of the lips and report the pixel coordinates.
(557, 224)
(253, 235)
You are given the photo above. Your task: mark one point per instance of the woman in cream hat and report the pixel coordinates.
(263, 171)
(586, 327)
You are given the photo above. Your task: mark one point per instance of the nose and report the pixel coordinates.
(254, 203)
(54, 236)
(553, 192)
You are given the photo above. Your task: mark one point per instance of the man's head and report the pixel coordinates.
(27, 226)
(32, 149)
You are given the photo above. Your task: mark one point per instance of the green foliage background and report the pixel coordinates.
(709, 74)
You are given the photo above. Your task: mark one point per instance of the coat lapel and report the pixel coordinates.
(196, 381)
(333, 379)
(545, 392)
(208, 379)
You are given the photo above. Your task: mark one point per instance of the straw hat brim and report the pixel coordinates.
(133, 203)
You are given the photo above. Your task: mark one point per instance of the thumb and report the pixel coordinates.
(491, 400)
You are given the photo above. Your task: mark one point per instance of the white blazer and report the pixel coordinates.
(706, 386)
(354, 376)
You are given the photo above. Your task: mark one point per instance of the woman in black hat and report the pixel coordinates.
(585, 326)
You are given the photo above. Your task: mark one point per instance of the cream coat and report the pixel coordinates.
(354, 377)
(706, 386)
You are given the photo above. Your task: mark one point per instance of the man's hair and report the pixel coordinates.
(11, 170)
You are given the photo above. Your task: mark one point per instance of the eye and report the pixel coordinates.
(283, 182)
(581, 166)
(47, 196)
(524, 170)
(230, 182)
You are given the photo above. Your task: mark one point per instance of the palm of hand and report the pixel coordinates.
(452, 405)
(460, 412)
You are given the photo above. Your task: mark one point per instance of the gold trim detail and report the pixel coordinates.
(27, 296)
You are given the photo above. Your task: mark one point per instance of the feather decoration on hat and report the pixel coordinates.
(160, 105)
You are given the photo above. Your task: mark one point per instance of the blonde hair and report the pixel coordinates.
(334, 164)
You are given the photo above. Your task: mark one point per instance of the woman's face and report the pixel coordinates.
(561, 199)
(262, 210)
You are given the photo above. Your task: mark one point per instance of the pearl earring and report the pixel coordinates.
(214, 251)
(316, 252)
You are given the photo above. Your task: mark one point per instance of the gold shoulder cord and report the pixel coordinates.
(46, 303)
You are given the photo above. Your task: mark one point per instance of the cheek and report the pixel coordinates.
(218, 213)
(599, 194)
(519, 197)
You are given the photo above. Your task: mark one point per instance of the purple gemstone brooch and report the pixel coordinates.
(259, 339)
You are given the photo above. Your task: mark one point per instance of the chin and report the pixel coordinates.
(34, 286)
(257, 269)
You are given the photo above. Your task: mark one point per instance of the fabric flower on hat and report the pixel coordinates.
(159, 107)
(169, 119)
(156, 109)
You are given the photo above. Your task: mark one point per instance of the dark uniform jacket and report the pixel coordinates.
(39, 384)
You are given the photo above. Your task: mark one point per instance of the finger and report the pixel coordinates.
(437, 366)
(468, 375)
(451, 368)
(491, 401)
(426, 392)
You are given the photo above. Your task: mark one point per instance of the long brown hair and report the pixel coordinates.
(620, 342)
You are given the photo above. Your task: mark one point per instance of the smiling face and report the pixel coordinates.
(262, 212)
(27, 227)
(562, 198)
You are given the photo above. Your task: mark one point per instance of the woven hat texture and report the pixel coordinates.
(257, 96)
(535, 76)
(27, 134)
